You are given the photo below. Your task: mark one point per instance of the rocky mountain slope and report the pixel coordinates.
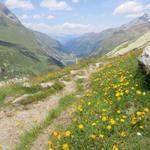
(107, 40)
(23, 51)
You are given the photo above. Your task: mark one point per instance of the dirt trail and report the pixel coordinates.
(11, 128)
(41, 143)
(63, 120)
(14, 125)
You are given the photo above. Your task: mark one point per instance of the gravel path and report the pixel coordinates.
(13, 126)
(63, 120)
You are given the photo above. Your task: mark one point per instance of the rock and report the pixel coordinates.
(21, 98)
(26, 84)
(144, 59)
(98, 65)
(81, 77)
(47, 84)
(73, 72)
(13, 81)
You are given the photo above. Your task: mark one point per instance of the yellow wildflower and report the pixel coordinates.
(146, 109)
(139, 113)
(124, 117)
(65, 146)
(122, 120)
(133, 122)
(68, 133)
(112, 121)
(123, 134)
(138, 92)
(118, 111)
(117, 119)
(117, 94)
(94, 124)
(55, 133)
(109, 127)
(141, 127)
(104, 118)
(101, 136)
(89, 103)
(81, 126)
(127, 91)
(93, 136)
(50, 143)
(115, 147)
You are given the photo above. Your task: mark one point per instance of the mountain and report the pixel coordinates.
(107, 40)
(63, 38)
(53, 48)
(5, 12)
(23, 51)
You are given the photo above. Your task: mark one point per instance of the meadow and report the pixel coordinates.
(114, 112)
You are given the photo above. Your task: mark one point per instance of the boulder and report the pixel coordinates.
(144, 59)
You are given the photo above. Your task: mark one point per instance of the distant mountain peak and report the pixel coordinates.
(4, 11)
(145, 17)
(137, 21)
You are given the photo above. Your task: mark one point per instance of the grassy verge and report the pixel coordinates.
(16, 90)
(114, 114)
(43, 94)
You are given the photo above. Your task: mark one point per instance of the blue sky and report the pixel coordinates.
(76, 16)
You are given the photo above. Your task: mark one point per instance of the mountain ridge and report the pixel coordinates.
(90, 44)
(22, 53)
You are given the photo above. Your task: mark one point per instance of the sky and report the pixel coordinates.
(74, 17)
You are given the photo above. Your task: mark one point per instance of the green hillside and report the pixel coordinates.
(21, 51)
(124, 48)
(114, 113)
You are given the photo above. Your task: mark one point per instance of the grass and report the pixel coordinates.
(13, 91)
(114, 114)
(38, 92)
(58, 86)
(80, 85)
(16, 90)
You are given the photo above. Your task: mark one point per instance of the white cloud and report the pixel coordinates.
(65, 28)
(55, 5)
(75, 1)
(23, 17)
(23, 4)
(50, 17)
(134, 15)
(38, 16)
(132, 9)
(129, 7)
(148, 7)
